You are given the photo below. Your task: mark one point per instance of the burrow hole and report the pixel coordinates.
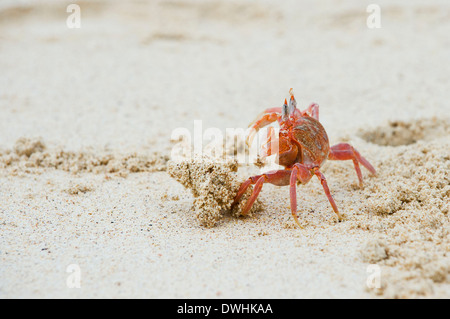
(397, 133)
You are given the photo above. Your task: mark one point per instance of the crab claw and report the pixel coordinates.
(270, 146)
(265, 118)
(251, 136)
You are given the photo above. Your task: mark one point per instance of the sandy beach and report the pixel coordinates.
(88, 208)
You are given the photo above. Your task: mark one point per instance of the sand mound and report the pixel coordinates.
(214, 186)
(409, 207)
(31, 155)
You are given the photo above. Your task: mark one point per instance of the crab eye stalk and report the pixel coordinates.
(284, 111)
(292, 103)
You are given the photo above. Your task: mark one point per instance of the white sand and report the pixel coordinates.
(134, 72)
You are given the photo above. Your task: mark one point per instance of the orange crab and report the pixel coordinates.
(302, 147)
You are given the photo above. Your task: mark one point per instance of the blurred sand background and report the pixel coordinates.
(86, 117)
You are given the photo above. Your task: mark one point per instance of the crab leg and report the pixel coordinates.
(293, 195)
(278, 177)
(256, 189)
(323, 181)
(301, 173)
(313, 111)
(344, 151)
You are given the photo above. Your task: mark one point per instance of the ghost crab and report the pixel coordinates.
(302, 147)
